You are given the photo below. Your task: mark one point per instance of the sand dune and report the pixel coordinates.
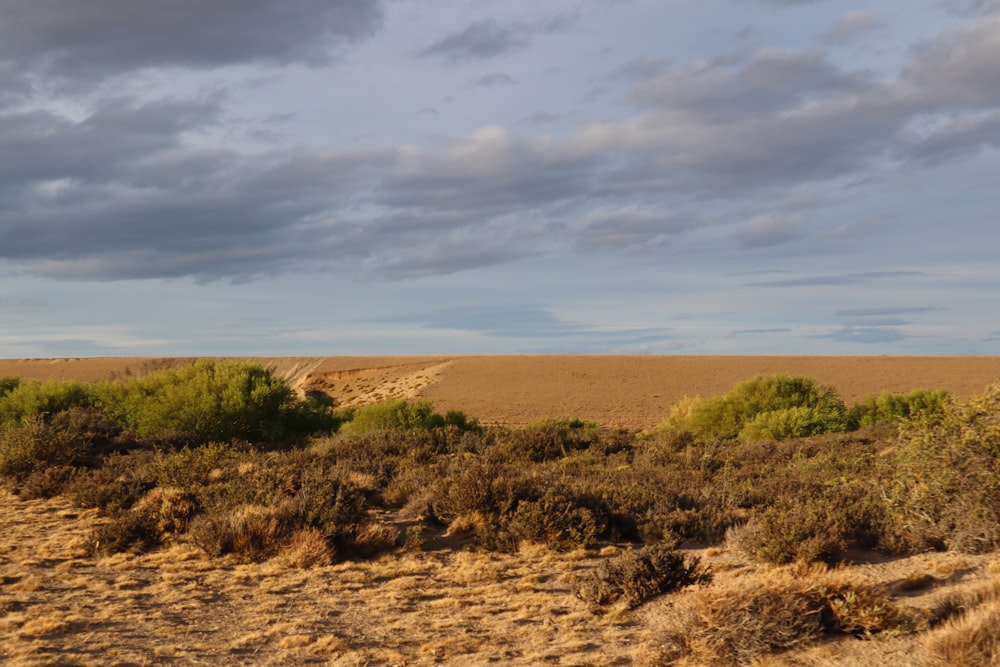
(626, 391)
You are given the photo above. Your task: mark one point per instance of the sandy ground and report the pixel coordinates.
(626, 391)
(178, 606)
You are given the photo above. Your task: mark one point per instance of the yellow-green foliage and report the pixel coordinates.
(21, 401)
(211, 402)
(764, 408)
(892, 408)
(946, 475)
(400, 415)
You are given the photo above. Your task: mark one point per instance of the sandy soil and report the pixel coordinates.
(626, 391)
(178, 606)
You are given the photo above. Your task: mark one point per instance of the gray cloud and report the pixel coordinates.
(769, 81)
(489, 38)
(123, 191)
(760, 332)
(865, 335)
(525, 321)
(843, 279)
(101, 37)
(769, 230)
(851, 26)
(633, 227)
(480, 40)
(884, 312)
(493, 79)
(538, 118)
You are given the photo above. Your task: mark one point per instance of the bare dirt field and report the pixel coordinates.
(625, 391)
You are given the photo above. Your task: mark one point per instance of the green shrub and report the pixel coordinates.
(24, 401)
(638, 575)
(213, 402)
(782, 405)
(795, 422)
(401, 415)
(892, 408)
(8, 384)
(945, 477)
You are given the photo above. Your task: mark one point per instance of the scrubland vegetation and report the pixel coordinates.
(224, 456)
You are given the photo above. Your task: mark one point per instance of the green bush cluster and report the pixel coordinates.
(401, 415)
(781, 407)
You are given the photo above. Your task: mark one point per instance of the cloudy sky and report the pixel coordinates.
(289, 177)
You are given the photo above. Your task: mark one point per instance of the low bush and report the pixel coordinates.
(213, 402)
(775, 407)
(127, 531)
(944, 480)
(893, 407)
(638, 575)
(738, 623)
(401, 415)
(557, 519)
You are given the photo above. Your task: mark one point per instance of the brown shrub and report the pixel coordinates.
(251, 532)
(638, 575)
(307, 548)
(736, 623)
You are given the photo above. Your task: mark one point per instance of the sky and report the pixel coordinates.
(290, 177)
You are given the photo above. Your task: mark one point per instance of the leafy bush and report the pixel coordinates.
(401, 415)
(25, 401)
(817, 526)
(945, 476)
(638, 575)
(213, 402)
(550, 439)
(892, 408)
(775, 407)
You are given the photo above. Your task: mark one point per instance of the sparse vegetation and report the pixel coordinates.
(226, 458)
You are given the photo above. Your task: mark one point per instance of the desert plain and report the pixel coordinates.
(444, 604)
(617, 391)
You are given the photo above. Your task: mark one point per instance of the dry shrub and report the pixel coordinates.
(732, 626)
(45, 483)
(129, 531)
(638, 575)
(171, 507)
(376, 537)
(251, 532)
(737, 623)
(557, 520)
(306, 549)
(963, 601)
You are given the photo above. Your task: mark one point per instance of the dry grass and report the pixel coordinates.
(441, 607)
